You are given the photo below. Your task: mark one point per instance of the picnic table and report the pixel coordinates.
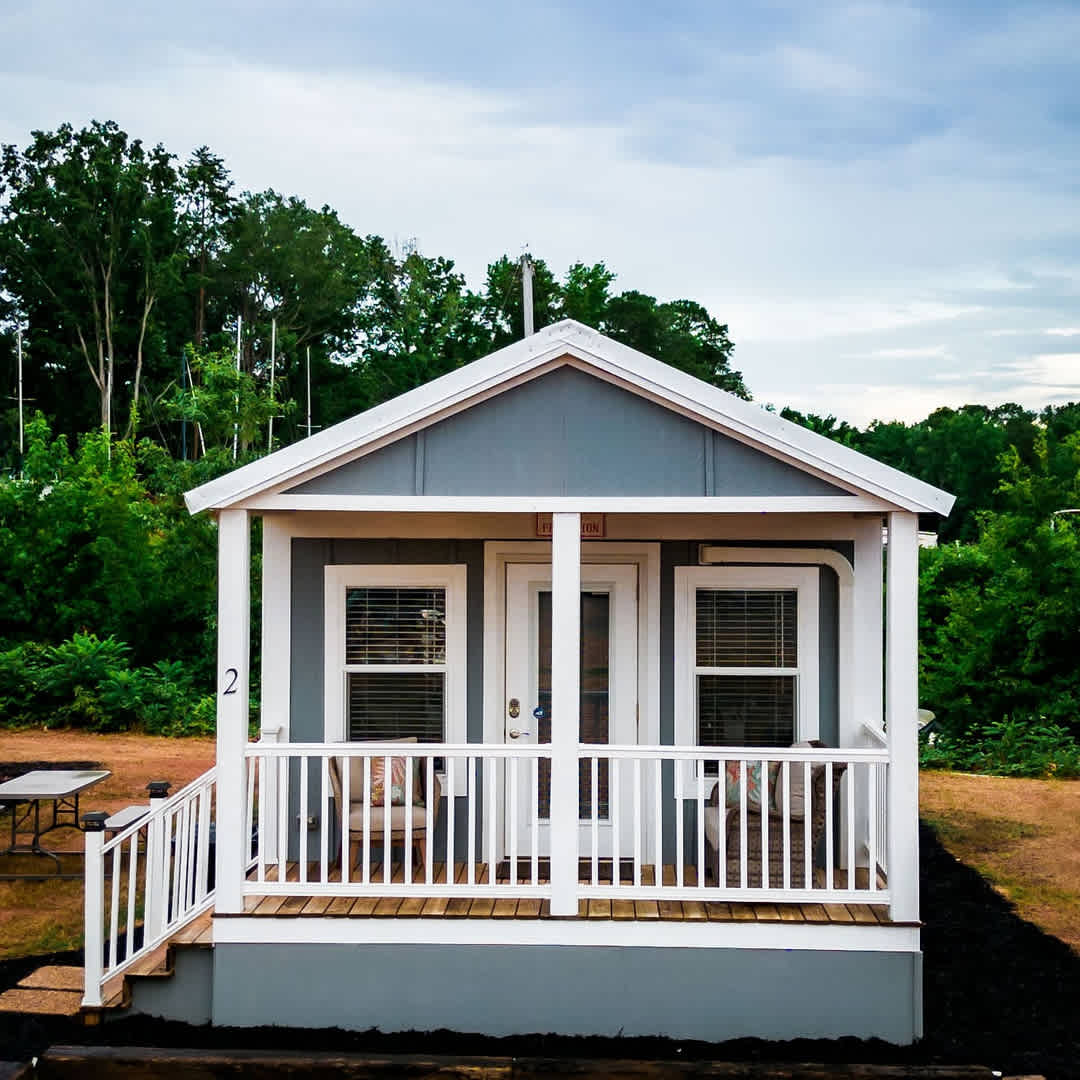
(61, 788)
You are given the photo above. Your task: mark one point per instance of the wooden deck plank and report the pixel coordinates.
(766, 913)
(411, 906)
(790, 913)
(646, 910)
(387, 907)
(365, 905)
(482, 908)
(340, 905)
(509, 908)
(694, 911)
(861, 913)
(838, 913)
(670, 910)
(622, 910)
(317, 905)
(718, 911)
(434, 907)
(293, 905)
(269, 905)
(742, 912)
(527, 908)
(599, 909)
(815, 913)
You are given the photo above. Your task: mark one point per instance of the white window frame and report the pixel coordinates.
(688, 579)
(450, 577)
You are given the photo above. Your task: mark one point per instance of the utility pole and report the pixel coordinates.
(236, 422)
(183, 420)
(309, 391)
(273, 347)
(18, 349)
(527, 293)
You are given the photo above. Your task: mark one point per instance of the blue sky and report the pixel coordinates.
(881, 200)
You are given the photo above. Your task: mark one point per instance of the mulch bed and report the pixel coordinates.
(997, 992)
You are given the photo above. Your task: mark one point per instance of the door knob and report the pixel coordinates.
(516, 733)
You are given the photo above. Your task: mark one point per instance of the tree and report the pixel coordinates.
(207, 207)
(89, 242)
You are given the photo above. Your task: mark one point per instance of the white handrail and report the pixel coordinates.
(158, 880)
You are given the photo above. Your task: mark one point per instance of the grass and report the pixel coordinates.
(38, 917)
(1020, 834)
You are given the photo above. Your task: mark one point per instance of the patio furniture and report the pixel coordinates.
(731, 817)
(377, 812)
(62, 788)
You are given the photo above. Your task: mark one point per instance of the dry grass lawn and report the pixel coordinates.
(46, 916)
(1022, 835)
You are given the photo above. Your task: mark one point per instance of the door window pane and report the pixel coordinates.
(594, 724)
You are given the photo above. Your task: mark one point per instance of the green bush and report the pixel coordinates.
(1014, 746)
(87, 682)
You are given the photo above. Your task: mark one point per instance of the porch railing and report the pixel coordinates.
(654, 822)
(329, 836)
(147, 881)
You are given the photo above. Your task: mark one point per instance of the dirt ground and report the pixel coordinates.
(1023, 836)
(46, 916)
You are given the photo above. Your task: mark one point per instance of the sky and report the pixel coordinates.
(881, 200)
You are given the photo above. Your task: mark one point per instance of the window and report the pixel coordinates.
(395, 653)
(746, 655)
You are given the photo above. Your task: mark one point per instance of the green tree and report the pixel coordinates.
(89, 243)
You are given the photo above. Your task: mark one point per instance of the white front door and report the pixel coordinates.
(609, 695)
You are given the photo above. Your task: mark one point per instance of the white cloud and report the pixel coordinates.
(1062, 331)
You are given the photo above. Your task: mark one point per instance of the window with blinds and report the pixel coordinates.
(395, 663)
(746, 666)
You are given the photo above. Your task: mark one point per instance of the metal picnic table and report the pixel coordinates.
(62, 788)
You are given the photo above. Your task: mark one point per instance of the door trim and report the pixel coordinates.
(497, 553)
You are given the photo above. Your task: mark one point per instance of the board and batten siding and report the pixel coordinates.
(567, 433)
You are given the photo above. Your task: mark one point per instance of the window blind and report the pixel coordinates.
(746, 628)
(395, 626)
(746, 710)
(390, 705)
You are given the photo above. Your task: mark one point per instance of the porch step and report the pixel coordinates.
(53, 990)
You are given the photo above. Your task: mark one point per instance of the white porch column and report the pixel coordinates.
(565, 707)
(901, 705)
(234, 629)
(274, 673)
(868, 609)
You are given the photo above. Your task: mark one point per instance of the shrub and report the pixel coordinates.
(1014, 746)
(87, 682)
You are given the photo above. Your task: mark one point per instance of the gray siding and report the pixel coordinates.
(567, 433)
(309, 557)
(709, 994)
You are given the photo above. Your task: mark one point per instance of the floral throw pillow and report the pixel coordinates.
(753, 783)
(397, 782)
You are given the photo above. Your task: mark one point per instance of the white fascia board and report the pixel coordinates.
(715, 407)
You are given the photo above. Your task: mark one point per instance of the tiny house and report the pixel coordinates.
(586, 704)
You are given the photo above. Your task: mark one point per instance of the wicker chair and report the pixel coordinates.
(377, 813)
(731, 817)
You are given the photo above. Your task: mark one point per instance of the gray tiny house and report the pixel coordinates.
(581, 711)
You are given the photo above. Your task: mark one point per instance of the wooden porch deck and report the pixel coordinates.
(465, 907)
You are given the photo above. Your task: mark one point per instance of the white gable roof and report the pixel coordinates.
(632, 369)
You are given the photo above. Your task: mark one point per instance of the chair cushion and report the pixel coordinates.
(798, 786)
(378, 817)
